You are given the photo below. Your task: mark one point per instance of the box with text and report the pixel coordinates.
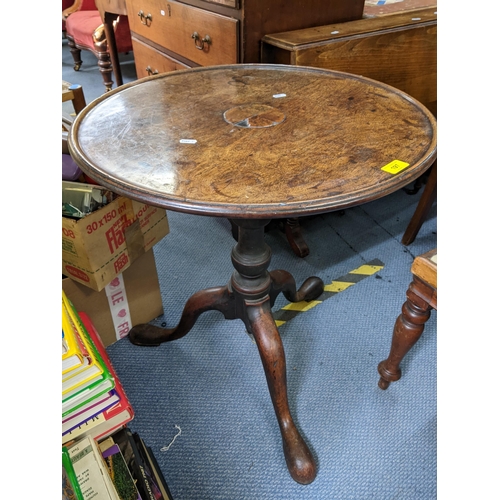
(131, 298)
(103, 244)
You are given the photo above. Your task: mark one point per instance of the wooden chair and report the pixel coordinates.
(85, 31)
(421, 298)
(74, 93)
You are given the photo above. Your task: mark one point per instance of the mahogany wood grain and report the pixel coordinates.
(153, 61)
(409, 326)
(399, 49)
(109, 11)
(425, 268)
(339, 131)
(252, 143)
(249, 296)
(172, 25)
(427, 198)
(402, 6)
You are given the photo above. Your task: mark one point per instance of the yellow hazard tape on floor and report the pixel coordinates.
(291, 310)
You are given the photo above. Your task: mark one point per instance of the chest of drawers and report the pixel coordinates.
(170, 34)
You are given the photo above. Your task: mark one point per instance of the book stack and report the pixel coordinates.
(120, 467)
(93, 400)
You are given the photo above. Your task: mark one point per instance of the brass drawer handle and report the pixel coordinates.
(200, 44)
(151, 71)
(146, 19)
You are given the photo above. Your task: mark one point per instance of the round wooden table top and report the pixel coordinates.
(254, 140)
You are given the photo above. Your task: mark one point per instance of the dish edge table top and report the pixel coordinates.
(309, 140)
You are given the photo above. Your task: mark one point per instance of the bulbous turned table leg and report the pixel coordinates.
(407, 330)
(299, 459)
(249, 296)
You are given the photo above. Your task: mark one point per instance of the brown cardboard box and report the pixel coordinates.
(103, 244)
(130, 299)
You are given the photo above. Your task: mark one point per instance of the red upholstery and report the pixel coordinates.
(88, 5)
(82, 24)
(85, 5)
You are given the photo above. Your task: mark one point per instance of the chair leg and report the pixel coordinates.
(424, 205)
(105, 66)
(407, 330)
(295, 239)
(75, 52)
(112, 48)
(106, 69)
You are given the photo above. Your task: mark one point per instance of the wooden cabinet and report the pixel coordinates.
(397, 47)
(152, 61)
(169, 34)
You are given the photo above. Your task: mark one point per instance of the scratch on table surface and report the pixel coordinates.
(124, 131)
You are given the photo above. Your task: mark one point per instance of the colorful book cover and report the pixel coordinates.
(120, 474)
(94, 402)
(152, 468)
(91, 412)
(72, 356)
(115, 416)
(147, 488)
(86, 361)
(159, 475)
(91, 471)
(105, 380)
(76, 370)
(70, 487)
(81, 378)
(85, 397)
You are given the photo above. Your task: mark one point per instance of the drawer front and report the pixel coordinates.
(149, 61)
(201, 36)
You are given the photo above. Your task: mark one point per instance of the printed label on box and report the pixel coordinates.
(118, 305)
(104, 243)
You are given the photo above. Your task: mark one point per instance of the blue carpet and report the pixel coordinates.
(368, 443)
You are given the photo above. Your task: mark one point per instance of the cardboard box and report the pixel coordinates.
(103, 244)
(130, 299)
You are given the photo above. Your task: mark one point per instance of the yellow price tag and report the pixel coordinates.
(395, 167)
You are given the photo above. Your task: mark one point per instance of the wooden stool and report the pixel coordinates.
(421, 298)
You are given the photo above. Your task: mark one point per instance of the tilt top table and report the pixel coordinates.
(253, 142)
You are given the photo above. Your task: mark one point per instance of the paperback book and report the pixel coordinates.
(91, 471)
(80, 391)
(70, 486)
(118, 470)
(146, 486)
(113, 417)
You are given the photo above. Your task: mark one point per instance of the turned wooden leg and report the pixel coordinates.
(75, 52)
(424, 205)
(407, 330)
(298, 457)
(105, 67)
(109, 18)
(205, 300)
(249, 296)
(294, 236)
